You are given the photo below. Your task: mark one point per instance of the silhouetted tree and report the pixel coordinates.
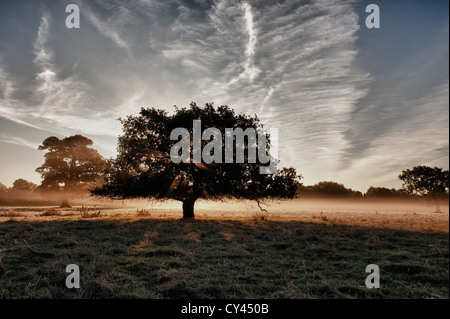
(71, 165)
(143, 167)
(426, 181)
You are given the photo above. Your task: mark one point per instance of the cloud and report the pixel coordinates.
(250, 71)
(42, 55)
(293, 64)
(106, 28)
(10, 139)
(420, 139)
(9, 107)
(62, 98)
(6, 85)
(306, 84)
(60, 101)
(296, 64)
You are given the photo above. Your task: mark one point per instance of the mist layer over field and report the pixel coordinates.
(415, 215)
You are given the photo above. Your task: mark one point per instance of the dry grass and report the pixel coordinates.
(51, 212)
(315, 253)
(85, 212)
(10, 213)
(130, 257)
(143, 212)
(405, 216)
(260, 217)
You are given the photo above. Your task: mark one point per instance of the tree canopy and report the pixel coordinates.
(143, 167)
(71, 165)
(22, 185)
(383, 192)
(426, 181)
(3, 188)
(327, 189)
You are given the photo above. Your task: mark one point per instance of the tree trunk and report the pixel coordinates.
(438, 206)
(188, 208)
(65, 203)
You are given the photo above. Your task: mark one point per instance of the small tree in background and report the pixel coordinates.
(3, 188)
(71, 165)
(143, 167)
(3, 191)
(381, 192)
(431, 182)
(22, 186)
(328, 189)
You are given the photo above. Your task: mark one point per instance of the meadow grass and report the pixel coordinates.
(254, 258)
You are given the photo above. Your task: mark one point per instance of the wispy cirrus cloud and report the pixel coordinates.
(57, 100)
(107, 29)
(61, 98)
(306, 84)
(6, 85)
(338, 97)
(10, 107)
(250, 71)
(293, 64)
(10, 139)
(417, 139)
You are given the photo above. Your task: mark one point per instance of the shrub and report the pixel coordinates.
(143, 212)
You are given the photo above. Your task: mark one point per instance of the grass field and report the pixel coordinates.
(149, 253)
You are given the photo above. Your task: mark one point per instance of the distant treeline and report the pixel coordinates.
(23, 192)
(336, 190)
(73, 169)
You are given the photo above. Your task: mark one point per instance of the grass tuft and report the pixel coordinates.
(143, 213)
(51, 212)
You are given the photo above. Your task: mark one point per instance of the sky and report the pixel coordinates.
(352, 104)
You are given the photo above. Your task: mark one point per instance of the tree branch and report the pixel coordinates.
(259, 205)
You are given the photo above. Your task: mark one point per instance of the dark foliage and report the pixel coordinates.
(426, 181)
(143, 167)
(327, 189)
(71, 165)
